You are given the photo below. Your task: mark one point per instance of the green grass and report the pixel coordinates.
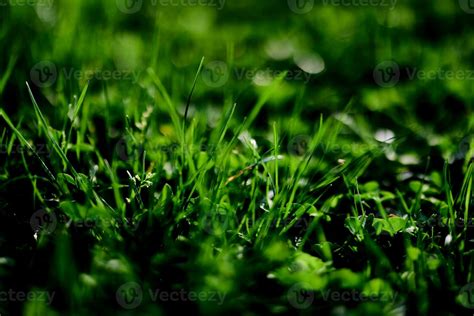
(156, 171)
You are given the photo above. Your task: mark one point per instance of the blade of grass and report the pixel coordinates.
(56, 146)
(8, 72)
(188, 102)
(27, 144)
(263, 100)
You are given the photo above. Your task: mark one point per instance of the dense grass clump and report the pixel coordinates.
(317, 160)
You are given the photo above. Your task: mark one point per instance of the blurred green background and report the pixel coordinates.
(339, 44)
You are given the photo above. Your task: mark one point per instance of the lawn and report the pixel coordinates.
(211, 157)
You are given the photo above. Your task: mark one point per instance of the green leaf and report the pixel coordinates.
(304, 269)
(392, 225)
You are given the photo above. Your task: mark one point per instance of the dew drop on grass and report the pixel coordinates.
(279, 49)
(46, 13)
(448, 239)
(385, 136)
(409, 159)
(311, 63)
(247, 140)
(390, 154)
(262, 79)
(6, 261)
